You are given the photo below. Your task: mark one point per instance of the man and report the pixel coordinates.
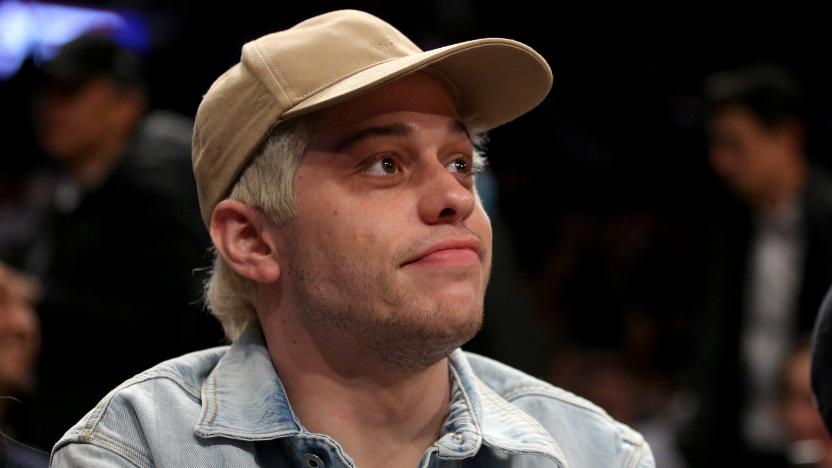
(19, 347)
(336, 168)
(772, 264)
(118, 240)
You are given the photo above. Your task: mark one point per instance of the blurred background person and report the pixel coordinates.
(821, 361)
(808, 442)
(118, 244)
(19, 348)
(770, 266)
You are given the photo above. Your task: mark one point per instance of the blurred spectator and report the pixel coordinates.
(772, 262)
(19, 347)
(809, 444)
(118, 243)
(822, 360)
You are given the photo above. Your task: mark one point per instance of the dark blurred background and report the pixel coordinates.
(603, 197)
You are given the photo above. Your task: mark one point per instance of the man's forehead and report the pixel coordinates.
(397, 128)
(396, 109)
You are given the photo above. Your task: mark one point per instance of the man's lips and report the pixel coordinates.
(448, 252)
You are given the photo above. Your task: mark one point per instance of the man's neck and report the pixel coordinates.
(785, 190)
(380, 416)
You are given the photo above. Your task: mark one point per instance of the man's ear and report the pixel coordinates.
(244, 236)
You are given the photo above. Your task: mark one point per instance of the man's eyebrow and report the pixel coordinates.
(394, 129)
(457, 126)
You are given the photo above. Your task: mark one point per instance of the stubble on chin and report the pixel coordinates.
(394, 327)
(410, 345)
(340, 293)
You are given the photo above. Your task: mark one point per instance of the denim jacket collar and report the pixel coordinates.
(244, 399)
(500, 424)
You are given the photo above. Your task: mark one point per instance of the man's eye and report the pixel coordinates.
(460, 166)
(384, 166)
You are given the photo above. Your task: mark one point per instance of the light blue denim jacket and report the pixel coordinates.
(227, 407)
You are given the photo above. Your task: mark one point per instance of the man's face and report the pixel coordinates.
(390, 243)
(19, 342)
(74, 120)
(748, 156)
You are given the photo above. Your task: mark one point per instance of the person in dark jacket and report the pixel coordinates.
(772, 262)
(119, 247)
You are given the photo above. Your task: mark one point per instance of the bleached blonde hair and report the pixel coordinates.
(267, 183)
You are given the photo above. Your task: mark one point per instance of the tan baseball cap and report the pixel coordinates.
(334, 57)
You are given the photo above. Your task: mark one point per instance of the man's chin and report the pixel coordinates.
(418, 345)
(461, 291)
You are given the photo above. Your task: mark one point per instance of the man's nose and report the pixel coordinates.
(444, 198)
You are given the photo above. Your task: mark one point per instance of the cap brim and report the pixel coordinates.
(493, 80)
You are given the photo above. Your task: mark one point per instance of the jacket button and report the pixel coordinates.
(313, 461)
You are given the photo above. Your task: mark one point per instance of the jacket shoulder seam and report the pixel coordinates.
(112, 445)
(637, 455)
(555, 394)
(95, 416)
(546, 391)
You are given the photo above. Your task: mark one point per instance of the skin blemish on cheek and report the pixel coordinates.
(369, 237)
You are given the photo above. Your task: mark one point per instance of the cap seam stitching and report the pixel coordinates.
(449, 85)
(391, 31)
(278, 79)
